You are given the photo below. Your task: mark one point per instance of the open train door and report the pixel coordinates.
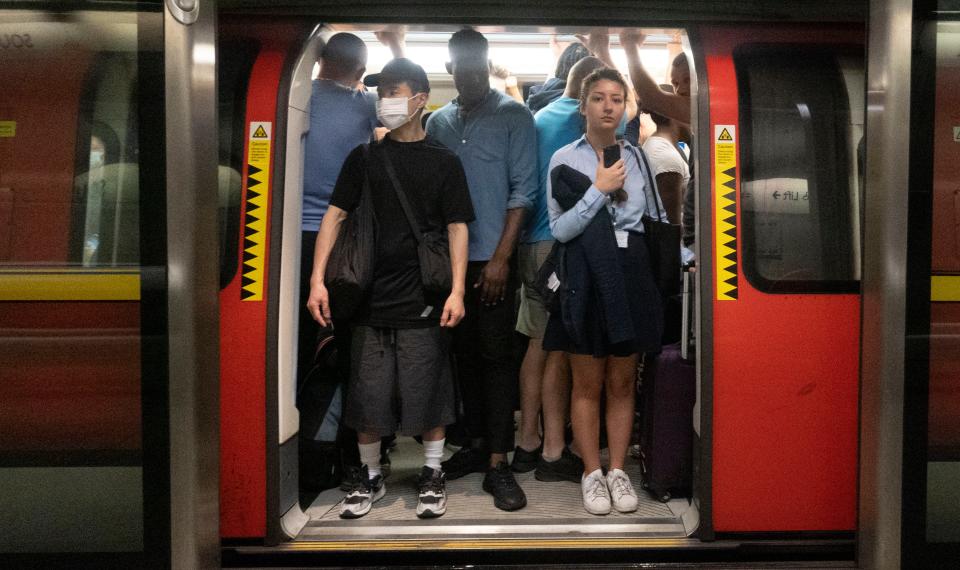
(781, 122)
(265, 86)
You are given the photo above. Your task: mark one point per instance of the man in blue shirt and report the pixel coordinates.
(495, 139)
(544, 377)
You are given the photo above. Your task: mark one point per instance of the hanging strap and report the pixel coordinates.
(404, 204)
(639, 154)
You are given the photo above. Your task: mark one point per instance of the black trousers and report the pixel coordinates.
(486, 373)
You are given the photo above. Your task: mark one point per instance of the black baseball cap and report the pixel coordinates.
(400, 70)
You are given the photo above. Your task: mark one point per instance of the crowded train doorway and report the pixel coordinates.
(299, 503)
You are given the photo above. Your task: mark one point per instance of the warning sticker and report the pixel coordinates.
(956, 133)
(255, 211)
(725, 209)
(8, 129)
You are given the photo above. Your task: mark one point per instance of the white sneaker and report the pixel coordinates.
(365, 492)
(596, 499)
(621, 491)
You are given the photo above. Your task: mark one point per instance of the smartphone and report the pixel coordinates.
(611, 154)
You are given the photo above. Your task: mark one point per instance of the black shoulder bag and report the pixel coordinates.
(349, 271)
(433, 249)
(662, 239)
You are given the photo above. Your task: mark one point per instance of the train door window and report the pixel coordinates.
(931, 447)
(801, 117)
(82, 286)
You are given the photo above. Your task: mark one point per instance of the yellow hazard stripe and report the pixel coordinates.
(725, 213)
(255, 214)
(945, 288)
(69, 285)
(487, 544)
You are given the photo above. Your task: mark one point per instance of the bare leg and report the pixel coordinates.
(531, 381)
(585, 407)
(556, 402)
(435, 434)
(366, 438)
(620, 378)
(496, 458)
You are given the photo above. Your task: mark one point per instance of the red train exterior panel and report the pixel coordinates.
(785, 367)
(243, 324)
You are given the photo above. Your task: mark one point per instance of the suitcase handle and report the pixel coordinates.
(687, 314)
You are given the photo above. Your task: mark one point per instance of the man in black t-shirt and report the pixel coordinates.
(400, 364)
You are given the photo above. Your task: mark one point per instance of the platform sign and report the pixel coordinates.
(255, 211)
(725, 204)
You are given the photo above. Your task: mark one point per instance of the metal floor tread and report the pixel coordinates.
(553, 509)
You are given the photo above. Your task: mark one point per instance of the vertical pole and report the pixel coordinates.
(884, 283)
(191, 153)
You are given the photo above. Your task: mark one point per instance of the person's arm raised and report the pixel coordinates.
(393, 39)
(649, 95)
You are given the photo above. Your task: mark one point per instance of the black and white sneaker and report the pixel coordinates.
(365, 492)
(432, 487)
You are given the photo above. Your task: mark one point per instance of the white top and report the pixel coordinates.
(664, 157)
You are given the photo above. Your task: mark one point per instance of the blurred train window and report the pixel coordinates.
(83, 307)
(801, 120)
(104, 228)
(233, 76)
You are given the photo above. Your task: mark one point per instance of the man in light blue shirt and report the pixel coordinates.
(495, 139)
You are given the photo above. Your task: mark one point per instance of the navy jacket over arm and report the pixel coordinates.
(594, 301)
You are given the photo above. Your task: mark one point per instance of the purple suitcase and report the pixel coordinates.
(669, 393)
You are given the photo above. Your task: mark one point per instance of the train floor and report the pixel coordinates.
(553, 510)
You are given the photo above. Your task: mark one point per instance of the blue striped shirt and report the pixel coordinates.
(626, 215)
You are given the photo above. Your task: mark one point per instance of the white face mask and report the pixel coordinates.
(392, 111)
(96, 158)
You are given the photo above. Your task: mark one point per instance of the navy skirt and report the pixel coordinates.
(645, 307)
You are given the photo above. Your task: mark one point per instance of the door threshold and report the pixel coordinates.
(554, 511)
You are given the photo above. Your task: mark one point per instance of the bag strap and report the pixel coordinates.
(639, 154)
(366, 170)
(404, 204)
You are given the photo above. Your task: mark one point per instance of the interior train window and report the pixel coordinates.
(801, 117)
(104, 211)
(233, 75)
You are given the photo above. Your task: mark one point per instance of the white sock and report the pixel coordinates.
(370, 456)
(432, 452)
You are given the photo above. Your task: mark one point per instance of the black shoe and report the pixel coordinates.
(568, 468)
(465, 461)
(351, 474)
(507, 494)
(524, 461)
(385, 463)
(365, 492)
(432, 493)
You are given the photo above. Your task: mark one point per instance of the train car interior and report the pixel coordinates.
(554, 509)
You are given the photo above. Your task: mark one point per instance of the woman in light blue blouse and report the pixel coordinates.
(610, 310)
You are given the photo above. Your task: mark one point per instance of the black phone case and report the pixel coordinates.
(611, 154)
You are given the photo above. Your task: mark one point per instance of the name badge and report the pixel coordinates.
(553, 283)
(622, 237)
